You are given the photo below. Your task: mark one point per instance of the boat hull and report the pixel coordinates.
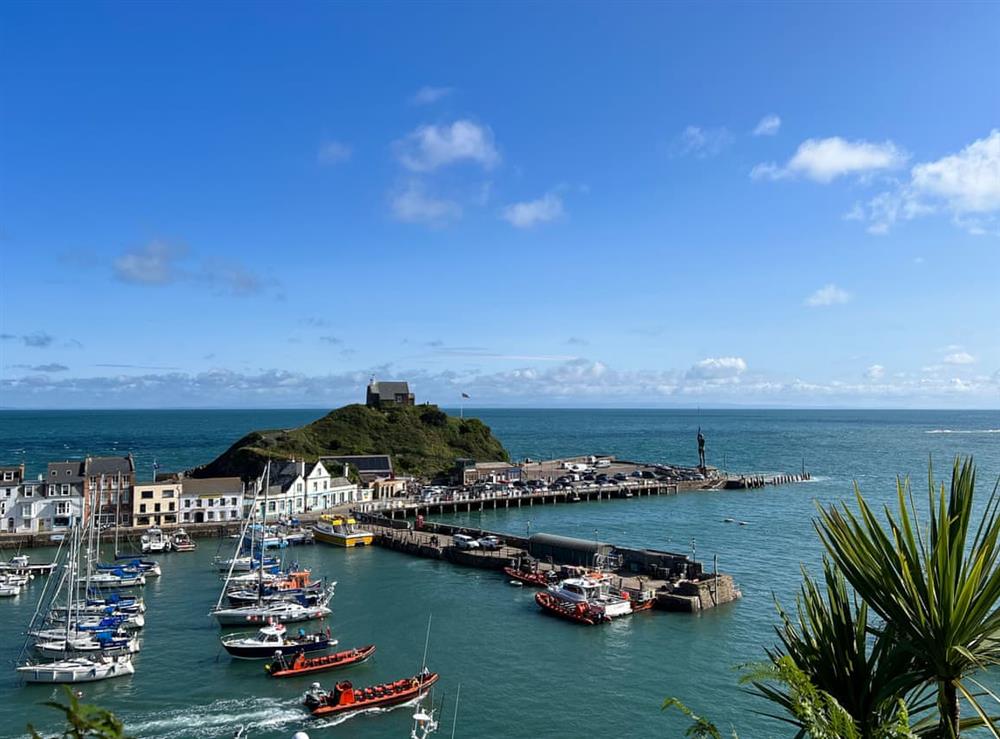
(76, 671)
(575, 612)
(309, 666)
(537, 579)
(241, 617)
(266, 651)
(392, 694)
(343, 540)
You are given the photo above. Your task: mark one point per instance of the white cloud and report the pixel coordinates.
(549, 207)
(959, 358)
(427, 94)
(875, 372)
(828, 295)
(768, 125)
(414, 205)
(717, 369)
(702, 142)
(431, 147)
(967, 182)
(154, 264)
(824, 160)
(333, 152)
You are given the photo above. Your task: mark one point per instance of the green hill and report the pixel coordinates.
(423, 440)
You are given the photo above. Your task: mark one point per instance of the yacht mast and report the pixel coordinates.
(263, 530)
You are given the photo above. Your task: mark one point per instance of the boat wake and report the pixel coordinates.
(337, 720)
(218, 719)
(963, 431)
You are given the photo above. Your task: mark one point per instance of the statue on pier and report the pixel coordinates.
(701, 450)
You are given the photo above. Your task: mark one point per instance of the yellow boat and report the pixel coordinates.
(341, 531)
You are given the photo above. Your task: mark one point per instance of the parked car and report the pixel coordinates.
(621, 476)
(490, 542)
(464, 541)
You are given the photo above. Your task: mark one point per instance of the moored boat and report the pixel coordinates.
(579, 612)
(78, 670)
(280, 612)
(302, 665)
(154, 540)
(596, 592)
(537, 578)
(182, 541)
(345, 698)
(272, 638)
(341, 531)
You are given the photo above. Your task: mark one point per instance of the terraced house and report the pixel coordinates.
(156, 503)
(109, 486)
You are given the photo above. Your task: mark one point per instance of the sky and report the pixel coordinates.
(545, 204)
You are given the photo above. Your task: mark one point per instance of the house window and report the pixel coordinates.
(298, 487)
(29, 492)
(62, 509)
(167, 494)
(187, 503)
(147, 494)
(65, 489)
(142, 508)
(7, 475)
(210, 515)
(171, 506)
(315, 486)
(156, 508)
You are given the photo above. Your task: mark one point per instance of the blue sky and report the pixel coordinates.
(631, 204)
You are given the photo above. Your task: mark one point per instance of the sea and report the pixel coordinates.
(514, 671)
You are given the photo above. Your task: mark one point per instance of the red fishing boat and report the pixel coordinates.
(302, 665)
(537, 578)
(580, 612)
(345, 698)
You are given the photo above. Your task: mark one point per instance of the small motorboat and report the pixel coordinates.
(78, 670)
(7, 590)
(154, 540)
(341, 531)
(182, 542)
(303, 665)
(345, 698)
(580, 612)
(272, 638)
(537, 578)
(248, 564)
(596, 592)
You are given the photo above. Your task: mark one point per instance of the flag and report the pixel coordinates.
(465, 395)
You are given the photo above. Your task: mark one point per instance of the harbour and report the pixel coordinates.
(383, 597)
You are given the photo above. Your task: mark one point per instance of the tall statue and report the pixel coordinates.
(701, 449)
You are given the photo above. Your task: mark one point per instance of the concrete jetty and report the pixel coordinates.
(675, 581)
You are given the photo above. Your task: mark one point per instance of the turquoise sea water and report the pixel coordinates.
(522, 674)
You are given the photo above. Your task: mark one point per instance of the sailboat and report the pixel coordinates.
(282, 602)
(82, 656)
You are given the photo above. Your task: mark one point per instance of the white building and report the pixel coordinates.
(210, 499)
(298, 487)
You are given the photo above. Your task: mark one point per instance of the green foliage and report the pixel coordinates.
(831, 641)
(423, 440)
(701, 727)
(84, 721)
(936, 588)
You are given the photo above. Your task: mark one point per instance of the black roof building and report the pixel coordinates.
(386, 394)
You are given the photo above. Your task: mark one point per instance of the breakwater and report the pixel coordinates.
(675, 581)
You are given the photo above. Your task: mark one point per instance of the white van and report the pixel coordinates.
(601, 463)
(462, 541)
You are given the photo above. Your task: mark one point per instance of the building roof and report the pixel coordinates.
(568, 543)
(366, 464)
(495, 465)
(68, 471)
(389, 390)
(206, 485)
(108, 466)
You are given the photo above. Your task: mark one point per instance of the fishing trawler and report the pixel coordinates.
(341, 531)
